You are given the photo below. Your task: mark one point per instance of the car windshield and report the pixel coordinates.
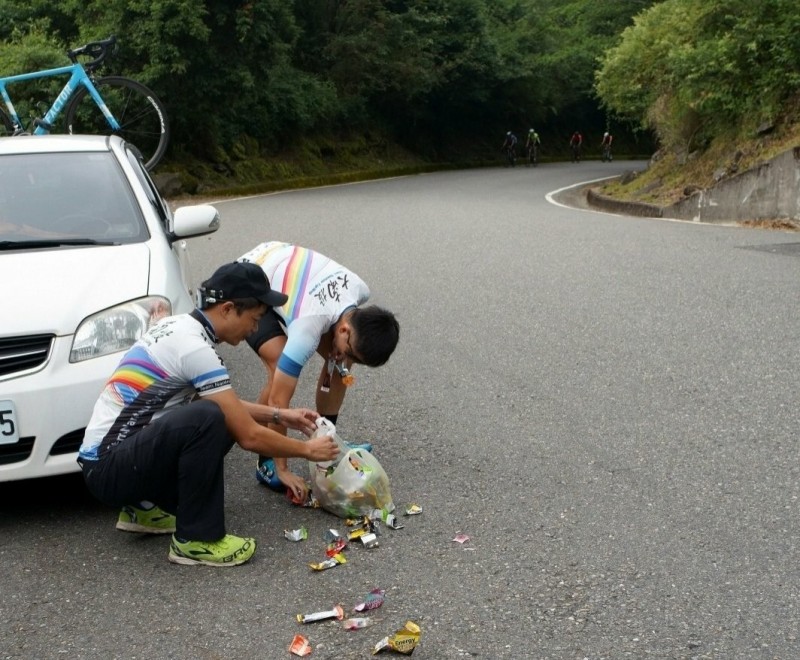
(66, 199)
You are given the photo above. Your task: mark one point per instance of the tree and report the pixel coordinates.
(432, 74)
(693, 69)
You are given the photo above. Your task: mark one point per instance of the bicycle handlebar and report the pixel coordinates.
(99, 50)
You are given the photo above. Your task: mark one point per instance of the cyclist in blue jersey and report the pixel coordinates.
(324, 314)
(159, 433)
(510, 148)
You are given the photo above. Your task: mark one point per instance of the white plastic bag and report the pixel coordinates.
(352, 485)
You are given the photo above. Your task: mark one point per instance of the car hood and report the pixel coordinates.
(52, 291)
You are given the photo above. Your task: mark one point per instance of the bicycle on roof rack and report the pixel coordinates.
(112, 105)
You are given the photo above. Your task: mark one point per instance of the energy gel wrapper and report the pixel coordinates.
(369, 540)
(348, 379)
(331, 536)
(329, 563)
(387, 517)
(335, 548)
(372, 602)
(296, 534)
(403, 641)
(336, 613)
(356, 623)
(300, 646)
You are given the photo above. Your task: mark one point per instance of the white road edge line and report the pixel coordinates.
(549, 198)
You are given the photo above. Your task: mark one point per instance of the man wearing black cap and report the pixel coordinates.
(168, 416)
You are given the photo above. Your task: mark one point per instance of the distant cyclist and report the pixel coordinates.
(605, 147)
(510, 148)
(575, 144)
(532, 144)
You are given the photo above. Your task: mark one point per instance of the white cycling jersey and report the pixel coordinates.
(174, 361)
(320, 290)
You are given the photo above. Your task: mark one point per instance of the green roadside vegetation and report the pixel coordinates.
(673, 175)
(716, 81)
(344, 160)
(270, 94)
(249, 170)
(289, 90)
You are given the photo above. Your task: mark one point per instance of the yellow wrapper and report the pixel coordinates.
(330, 563)
(356, 533)
(403, 641)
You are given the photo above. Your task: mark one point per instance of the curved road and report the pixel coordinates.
(604, 405)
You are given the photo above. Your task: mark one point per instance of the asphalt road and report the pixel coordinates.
(606, 406)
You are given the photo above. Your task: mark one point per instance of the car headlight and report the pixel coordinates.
(117, 329)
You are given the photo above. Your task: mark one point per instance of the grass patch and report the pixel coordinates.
(777, 225)
(671, 176)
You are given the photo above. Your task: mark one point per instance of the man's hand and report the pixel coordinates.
(321, 449)
(299, 419)
(297, 485)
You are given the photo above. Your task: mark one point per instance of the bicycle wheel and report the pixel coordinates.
(140, 114)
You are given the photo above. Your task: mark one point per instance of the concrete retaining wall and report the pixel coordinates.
(622, 207)
(770, 191)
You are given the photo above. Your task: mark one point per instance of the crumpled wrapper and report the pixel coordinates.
(403, 641)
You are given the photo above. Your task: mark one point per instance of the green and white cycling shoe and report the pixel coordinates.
(230, 550)
(145, 521)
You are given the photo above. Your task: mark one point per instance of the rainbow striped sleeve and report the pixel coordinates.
(295, 280)
(134, 375)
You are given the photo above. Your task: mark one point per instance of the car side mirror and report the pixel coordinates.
(197, 220)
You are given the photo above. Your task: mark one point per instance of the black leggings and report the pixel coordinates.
(176, 462)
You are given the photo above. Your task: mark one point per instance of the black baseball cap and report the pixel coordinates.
(241, 279)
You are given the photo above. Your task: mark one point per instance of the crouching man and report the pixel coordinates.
(159, 433)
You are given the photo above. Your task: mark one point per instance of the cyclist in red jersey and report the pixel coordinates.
(575, 144)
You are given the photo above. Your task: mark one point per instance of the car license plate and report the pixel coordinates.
(9, 429)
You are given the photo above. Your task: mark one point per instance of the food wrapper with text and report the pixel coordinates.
(403, 641)
(352, 485)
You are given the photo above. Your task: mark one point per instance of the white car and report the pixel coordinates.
(90, 255)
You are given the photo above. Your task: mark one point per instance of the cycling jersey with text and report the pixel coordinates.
(172, 362)
(319, 291)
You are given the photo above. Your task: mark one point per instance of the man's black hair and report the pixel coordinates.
(377, 334)
(243, 304)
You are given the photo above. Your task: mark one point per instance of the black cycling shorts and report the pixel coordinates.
(270, 325)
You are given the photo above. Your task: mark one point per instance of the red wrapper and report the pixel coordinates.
(300, 646)
(336, 547)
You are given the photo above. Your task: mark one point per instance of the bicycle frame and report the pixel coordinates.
(78, 77)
